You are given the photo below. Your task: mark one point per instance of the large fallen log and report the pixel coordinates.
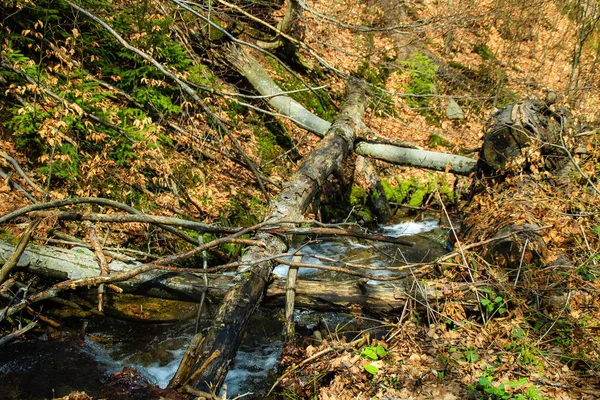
(526, 132)
(223, 339)
(358, 295)
(250, 69)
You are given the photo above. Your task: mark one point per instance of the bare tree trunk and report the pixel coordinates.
(250, 69)
(223, 339)
(362, 296)
(418, 158)
(287, 26)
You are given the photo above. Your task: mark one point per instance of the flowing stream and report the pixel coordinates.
(38, 369)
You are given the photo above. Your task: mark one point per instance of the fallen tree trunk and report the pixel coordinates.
(250, 69)
(361, 296)
(223, 339)
(286, 28)
(418, 158)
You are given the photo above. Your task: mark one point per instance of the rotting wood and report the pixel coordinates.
(376, 194)
(13, 260)
(524, 132)
(290, 300)
(240, 302)
(187, 363)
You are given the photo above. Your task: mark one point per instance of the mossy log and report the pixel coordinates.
(525, 247)
(381, 149)
(366, 174)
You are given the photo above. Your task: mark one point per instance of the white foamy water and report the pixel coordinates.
(250, 368)
(161, 375)
(410, 228)
(349, 249)
(254, 363)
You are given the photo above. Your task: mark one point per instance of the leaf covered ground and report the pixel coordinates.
(533, 332)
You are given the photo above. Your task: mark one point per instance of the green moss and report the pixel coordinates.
(417, 198)
(366, 216)
(484, 51)
(416, 192)
(393, 194)
(358, 196)
(435, 141)
(446, 191)
(268, 149)
(4, 235)
(422, 81)
(243, 211)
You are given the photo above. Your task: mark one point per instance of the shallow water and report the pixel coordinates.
(428, 241)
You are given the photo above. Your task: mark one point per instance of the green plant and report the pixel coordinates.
(485, 389)
(484, 51)
(493, 304)
(422, 82)
(471, 355)
(373, 353)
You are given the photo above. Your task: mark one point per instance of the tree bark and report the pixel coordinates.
(250, 69)
(224, 337)
(286, 26)
(520, 133)
(362, 296)
(418, 158)
(366, 174)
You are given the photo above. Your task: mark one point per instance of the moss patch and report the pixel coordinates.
(358, 196)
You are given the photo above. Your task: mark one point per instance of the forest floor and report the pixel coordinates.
(538, 339)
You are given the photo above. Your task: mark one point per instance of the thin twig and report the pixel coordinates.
(20, 171)
(6, 177)
(88, 200)
(16, 256)
(12, 336)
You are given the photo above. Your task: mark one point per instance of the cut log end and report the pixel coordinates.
(524, 247)
(501, 146)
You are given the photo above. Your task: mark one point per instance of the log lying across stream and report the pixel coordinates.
(224, 337)
(352, 295)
